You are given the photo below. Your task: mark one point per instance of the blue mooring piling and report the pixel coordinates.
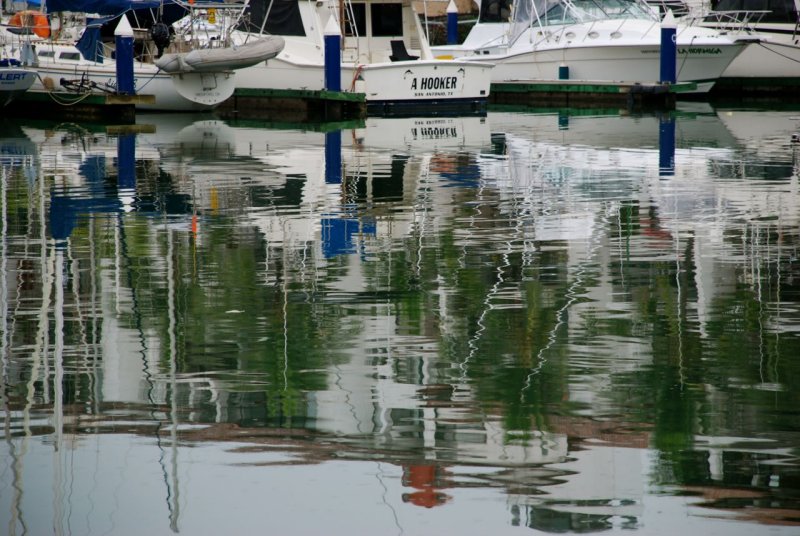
(333, 56)
(123, 36)
(669, 49)
(452, 23)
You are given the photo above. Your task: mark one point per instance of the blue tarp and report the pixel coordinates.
(101, 7)
(89, 44)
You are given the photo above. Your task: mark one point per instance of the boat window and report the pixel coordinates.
(46, 54)
(386, 19)
(355, 18)
(74, 56)
(284, 18)
(571, 11)
(495, 11)
(779, 10)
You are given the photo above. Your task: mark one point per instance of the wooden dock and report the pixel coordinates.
(120, 109)
(587, 94)
(294, 105)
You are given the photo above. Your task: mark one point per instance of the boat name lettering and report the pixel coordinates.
(433, 133)
(112, 83)
(700, 50)
(434, 82)
(12, 76)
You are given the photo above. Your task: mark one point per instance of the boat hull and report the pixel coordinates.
(775, 57)
(700, 64)
(183, 92)
(608, 50)
(416, 82)
(14, 81)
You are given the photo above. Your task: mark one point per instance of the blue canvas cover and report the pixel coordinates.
(90, 44)
(101, 7)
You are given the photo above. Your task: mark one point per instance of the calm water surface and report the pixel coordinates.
(524, 323)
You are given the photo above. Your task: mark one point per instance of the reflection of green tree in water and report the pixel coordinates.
(704, 381)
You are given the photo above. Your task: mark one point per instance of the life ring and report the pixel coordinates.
(33, 20)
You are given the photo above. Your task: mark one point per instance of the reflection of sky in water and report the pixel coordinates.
(482, 325)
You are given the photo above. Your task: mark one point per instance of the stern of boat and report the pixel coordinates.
(205, 90)
(437, 85)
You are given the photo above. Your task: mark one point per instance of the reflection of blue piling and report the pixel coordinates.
(333, 56)
(666, 146)
(126, 162)
(563, 121)
(452, 23)
(669, 48)
(124, 57)
(333, 157)
(338, 234)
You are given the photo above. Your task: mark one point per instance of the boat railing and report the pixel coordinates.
(744, 21)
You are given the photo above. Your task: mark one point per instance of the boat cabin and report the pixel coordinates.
(373, 30)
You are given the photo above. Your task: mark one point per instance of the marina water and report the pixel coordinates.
(529, 322)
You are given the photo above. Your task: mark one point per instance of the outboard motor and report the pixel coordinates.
(160, 35)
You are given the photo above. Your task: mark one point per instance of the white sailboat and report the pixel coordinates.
(385, 55)
(76, 54)
(617, 40)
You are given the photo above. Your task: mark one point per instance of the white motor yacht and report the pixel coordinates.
(608, 40)
(384, 54)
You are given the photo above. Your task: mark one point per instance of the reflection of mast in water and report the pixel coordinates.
(40, 347)
(58, 402)
(174, 506)
(16, 460)
(126, 188)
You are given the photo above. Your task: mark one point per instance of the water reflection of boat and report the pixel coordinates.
(157, 365)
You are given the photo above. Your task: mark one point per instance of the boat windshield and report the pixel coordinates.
(551, 12)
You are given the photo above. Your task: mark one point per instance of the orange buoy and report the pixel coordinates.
(33, 20)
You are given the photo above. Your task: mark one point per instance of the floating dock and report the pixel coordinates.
(88, 107)
(294, 105)
(588, 94)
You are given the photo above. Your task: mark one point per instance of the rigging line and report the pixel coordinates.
(518, 233)
(473, 341)
(148, 374)
(378, 477)
(4, 297)
(421, 226)
(173, 352)
(785, 56)
(16, 461)
(572, 298)
(74, 263)
(678, 307)
(759, 294)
